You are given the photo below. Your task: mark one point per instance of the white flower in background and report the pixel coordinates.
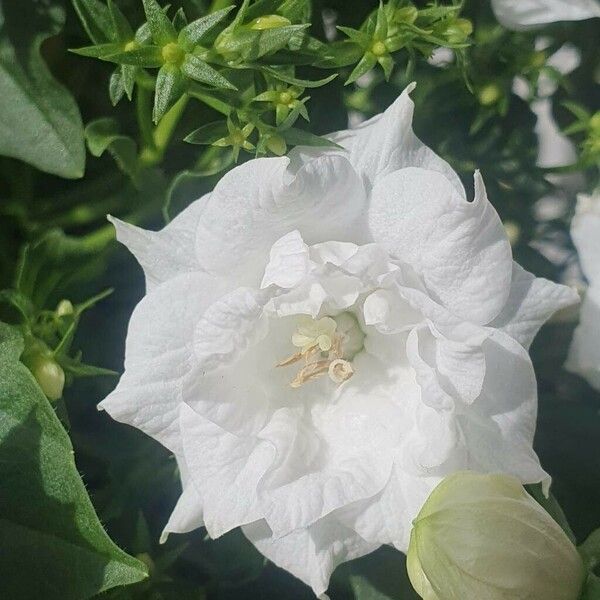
(523, 14)
(327, 335)
(584, 355)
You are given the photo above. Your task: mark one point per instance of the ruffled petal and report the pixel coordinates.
(327, 457)
(459, 248)
(310, 554)
(159, 355)
(532, 301)
(387, 143)
(523, 14)
(227, 469)
(166, 253)
(258, 202)
(499, 426)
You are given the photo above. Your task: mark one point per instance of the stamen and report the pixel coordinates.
(340, 370)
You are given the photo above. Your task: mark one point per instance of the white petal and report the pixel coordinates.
(522, 14)
(159, 355)
(387, 143)
(532, 301)
(166, 253)
(324, 459)
(188, 512)
(310, 554)
(258, 202)
(289, 262)
(227, 468)
(229, 327)
(584, 354)
(499, 427)
(389, 313)
(459, 248)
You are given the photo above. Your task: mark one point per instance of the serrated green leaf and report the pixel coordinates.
(299, 137)
(95, 18)
(207, 134)
(160, 25)
(193, 33)
(103, 134)
(196, 69)
(145, 56)
(50, 132)
(171, 84)
(58, 548)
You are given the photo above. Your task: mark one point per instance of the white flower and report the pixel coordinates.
(584, 354)
(523, 14)
(323, 439)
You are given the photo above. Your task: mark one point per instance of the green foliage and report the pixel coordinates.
(49, 134)
(47, 521)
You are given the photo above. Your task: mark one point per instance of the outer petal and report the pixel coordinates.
(458, 247)
(498, 428)
(310, 554)
(166, 253)
(531, 302)
(159, 355)
(387, 143)
(584, 354)
(522, 14)
(258, 202)
(188, 512)
(226, 469)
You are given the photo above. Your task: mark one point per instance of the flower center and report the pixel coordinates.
(326, 346)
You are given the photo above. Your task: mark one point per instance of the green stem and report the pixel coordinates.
(143, 103)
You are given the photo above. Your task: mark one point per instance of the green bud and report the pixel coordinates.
(458, 31)
(484, 536)
(378, 48)
(595, 122)
(64, 308)
(538, 59)
(47, 372)
(269, 22)
(277, 145)
(489, 94)
(172, 53)
(407, 14)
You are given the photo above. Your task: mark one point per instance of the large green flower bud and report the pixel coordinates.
(482, 536)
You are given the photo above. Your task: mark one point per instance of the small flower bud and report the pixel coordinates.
(483, 536)
(269, 22)
(489, 94)
(49, 375)
(64, 308)
(406, 14)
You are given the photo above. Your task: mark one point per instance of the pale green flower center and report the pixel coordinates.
(327, 346)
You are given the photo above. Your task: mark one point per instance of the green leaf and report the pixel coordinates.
(195, 68)
(103, 134)
(120, 25)
(207, 134)
(99, 51)
(591, 588)
(193, 33)
(50, 133)
(299, 137)
(19, 302)
(252, 44)
(365, 64)
(305, 83)
(161, 27)
(95, 18)
(170, 86)
(58, 548)
(590, 550)
(145, 56)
